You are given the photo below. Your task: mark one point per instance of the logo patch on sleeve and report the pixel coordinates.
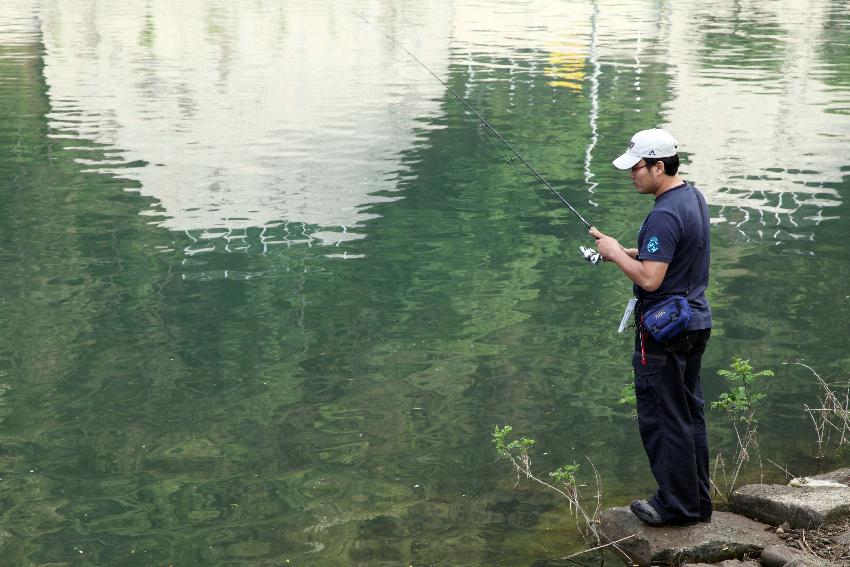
(653, 245)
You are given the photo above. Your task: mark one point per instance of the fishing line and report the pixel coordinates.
(509, 162)
(589, 254)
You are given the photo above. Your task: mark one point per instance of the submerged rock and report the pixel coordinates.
(728, 536)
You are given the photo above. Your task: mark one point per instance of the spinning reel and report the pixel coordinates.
(590, 255)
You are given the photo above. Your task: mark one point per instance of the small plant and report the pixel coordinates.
(566, 474)
(738, 401)
(739, 405)
(628, 398)
(516, 449)
(517, 452)
(832, 418)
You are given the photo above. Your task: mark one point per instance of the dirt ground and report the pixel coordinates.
(830, 543)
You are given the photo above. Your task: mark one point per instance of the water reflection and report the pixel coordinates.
(296, 127)
(750, 95)
(281, 116)
(760, 120)
(20, 24)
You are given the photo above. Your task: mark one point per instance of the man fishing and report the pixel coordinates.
(671, 259)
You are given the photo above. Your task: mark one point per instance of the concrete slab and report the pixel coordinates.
(803, 507)
(728, 536)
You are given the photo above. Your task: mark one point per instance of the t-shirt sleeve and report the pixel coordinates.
(661, 234)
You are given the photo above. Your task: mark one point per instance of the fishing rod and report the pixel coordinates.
(589, 254)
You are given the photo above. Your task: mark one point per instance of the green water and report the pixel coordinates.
(268, 288)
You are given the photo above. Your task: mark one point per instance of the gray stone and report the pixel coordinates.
(728, 536)
(841, 475)
(779, 556)
(727, 563)
(806, 561)
(804, 507)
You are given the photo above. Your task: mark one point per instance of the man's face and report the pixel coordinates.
(644, 177)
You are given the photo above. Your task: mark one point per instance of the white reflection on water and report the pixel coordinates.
(18, 23)
(761, 125)
(749, 100)
(280, 115)
(289, 117)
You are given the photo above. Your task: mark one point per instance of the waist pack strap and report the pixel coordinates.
(698, 255)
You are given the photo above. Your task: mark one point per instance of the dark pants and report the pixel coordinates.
(672, 424)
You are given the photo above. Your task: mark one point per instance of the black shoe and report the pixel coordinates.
(646, 513)
(705, 520)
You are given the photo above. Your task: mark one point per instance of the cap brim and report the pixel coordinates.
(626, 161)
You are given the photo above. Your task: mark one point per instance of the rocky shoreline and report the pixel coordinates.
(805, 525)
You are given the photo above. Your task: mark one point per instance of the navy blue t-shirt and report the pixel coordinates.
(671, 234)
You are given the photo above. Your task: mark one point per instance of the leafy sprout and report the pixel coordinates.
(517, 452)
(739, 405)
(739, 400)
(742, 371)
(505, 447)
(629, 398)
(565, 474)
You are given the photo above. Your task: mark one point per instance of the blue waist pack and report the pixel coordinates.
(667, 319)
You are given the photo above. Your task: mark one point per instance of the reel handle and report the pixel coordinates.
(590, 255)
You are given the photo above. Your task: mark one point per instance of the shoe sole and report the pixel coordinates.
(649, 520)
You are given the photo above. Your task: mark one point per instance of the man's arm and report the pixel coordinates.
(648, 274)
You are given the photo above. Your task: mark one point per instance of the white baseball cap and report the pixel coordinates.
(654, 143)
